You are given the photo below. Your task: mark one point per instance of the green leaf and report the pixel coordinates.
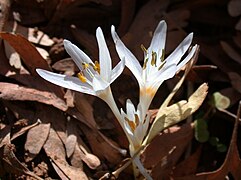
(201, 130)
(175, 113)
(213, 141)
(220, 101)
(221, 147)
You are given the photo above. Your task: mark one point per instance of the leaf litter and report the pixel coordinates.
(46, 133)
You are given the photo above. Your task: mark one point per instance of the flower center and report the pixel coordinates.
(86, 69)
(154, 56)
(133, 124)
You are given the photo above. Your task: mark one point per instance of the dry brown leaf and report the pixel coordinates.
(24, 129)
(165, 150)
(76, 160)
(27, 51)
(54, 148)
(4, 134)
(232, 94)
(102, 148)
(231, 52)
(189, 165)
(35, 140)
(13, 165)
(235, 81)
(15, 92)
(66, 65)
(234, 7)
(84, 106)
(65, 171)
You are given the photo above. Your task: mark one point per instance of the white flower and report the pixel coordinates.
(135, 124)
(156, 68)
(94, 77)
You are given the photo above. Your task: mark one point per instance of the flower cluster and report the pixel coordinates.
(95, 78)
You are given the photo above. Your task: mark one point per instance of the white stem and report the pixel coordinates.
(109, 99)
(141, 168)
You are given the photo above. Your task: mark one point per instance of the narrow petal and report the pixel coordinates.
(69, 82)
(159, 38)
(181, 49)
(77, 55)
(117, 70)
(104, 56)
(130, 109)
(165, 73)
(124, 53)
(188, 58)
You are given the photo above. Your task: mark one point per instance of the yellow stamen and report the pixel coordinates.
(137, 121)
(97, 67)
(131, 124)
(143, 49)
(85, 65)
(163, 55)
(81, 77)
(161, 66)
(145, 63)
(153, 58)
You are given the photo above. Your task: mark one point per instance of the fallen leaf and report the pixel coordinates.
(13, 165)
(189, 165)
(235, 81)
(54, 148)
(27, 51)
(15, 92)
(35, 140)
(234, 8)
(231, 52)
(165, 150)
(24, 129)
(104, 150)
(66, 65)
(4, 134)
(233, 95)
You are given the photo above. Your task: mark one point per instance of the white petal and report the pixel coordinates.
(130, 109)
(117, 70)
(188, 58)
(77, 55)
(177, 54)
(69, 82)
(159, 38)
(165, 73)
(99, 84)
(104, 56)
(124, 53)
(162, 75)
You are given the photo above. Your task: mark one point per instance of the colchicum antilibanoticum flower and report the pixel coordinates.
(95, 78)
(156, 67)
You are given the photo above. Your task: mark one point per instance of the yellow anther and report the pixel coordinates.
(163, 55)
(161, 66)
(81, 77)
(85, 65)
(143, 49)
(153, 58)
(137, 120)
(97, 67)
(145, 63)
(131, 124)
